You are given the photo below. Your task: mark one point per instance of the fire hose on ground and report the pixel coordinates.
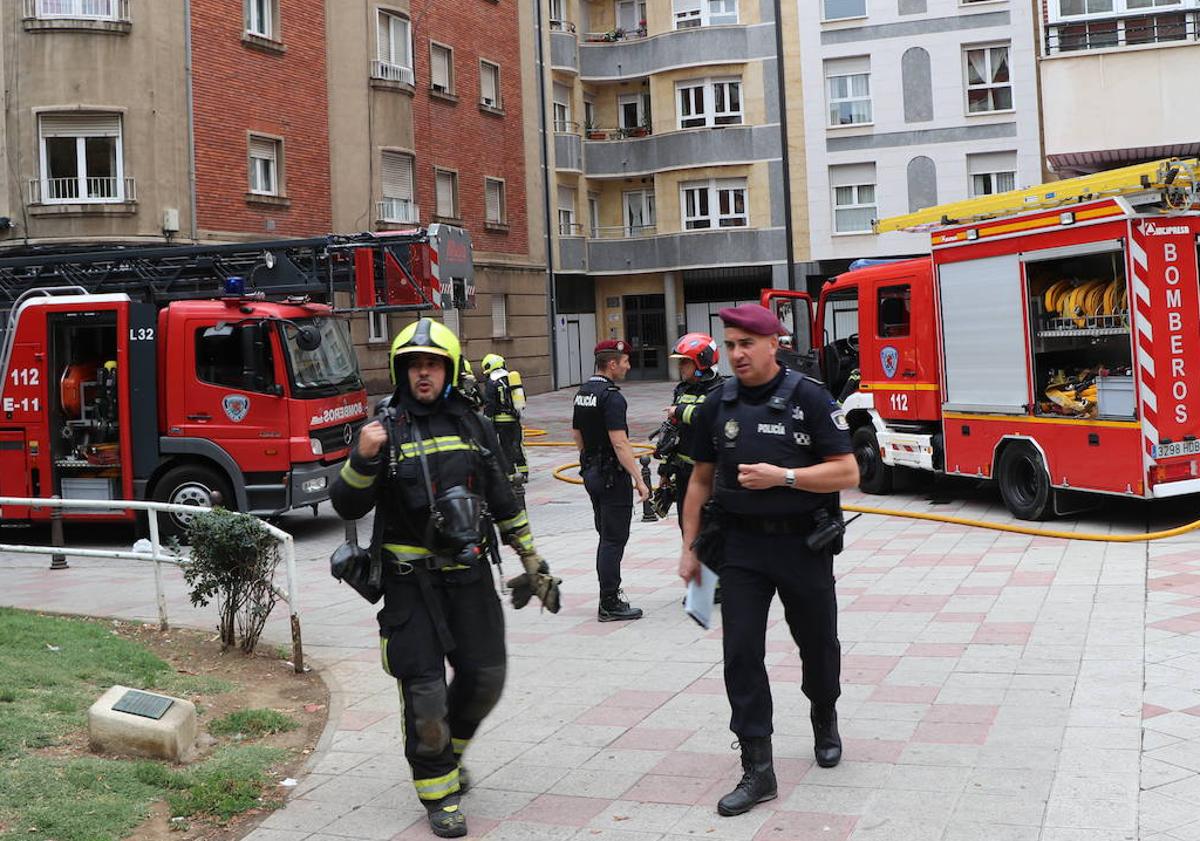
(559, 473)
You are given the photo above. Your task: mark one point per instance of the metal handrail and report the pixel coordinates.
(1126, 30)
(622, 231)
(96, 190)
(561, 26)
(389, 72)
(617, 133)
(156, 554)
(395, 210)
(99, 10)
(566, 127)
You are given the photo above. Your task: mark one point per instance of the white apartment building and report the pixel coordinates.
(907, 104)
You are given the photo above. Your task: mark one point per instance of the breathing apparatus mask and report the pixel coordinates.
(455, 531)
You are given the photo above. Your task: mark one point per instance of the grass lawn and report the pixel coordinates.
(51, 670)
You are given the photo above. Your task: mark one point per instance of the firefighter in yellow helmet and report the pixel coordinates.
(469, 386)
(427, 465)
(503, 402)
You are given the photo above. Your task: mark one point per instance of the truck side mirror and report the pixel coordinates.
(308, 338)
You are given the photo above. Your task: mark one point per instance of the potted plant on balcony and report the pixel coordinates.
(641, 28)
(639, 131)
(617, 34)
(594, 133)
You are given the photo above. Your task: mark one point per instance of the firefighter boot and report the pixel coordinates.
(827, 743)
(446, 818)
(758, 778)
(614, 608)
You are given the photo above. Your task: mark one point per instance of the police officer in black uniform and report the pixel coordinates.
(698, 355)
(775, 451)
(428, 467)
(609, 471)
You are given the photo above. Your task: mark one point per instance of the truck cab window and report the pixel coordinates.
(238, 356)
(839, 321)
(894, 311)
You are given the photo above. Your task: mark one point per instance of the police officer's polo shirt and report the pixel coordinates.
(823, 418)
(614, 408)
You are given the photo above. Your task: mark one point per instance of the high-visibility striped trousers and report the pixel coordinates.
(439, 720)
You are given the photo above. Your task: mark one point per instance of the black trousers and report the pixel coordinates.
(756, 568)
(510, 435)
(612, 512)
(441, 719)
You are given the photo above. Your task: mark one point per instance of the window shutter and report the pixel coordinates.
(385, 37)
(262, 148)
(81, 125)
(493, 191)
(991, 162)
(566, 199)
(846, 175)
(487, 84)
(848, 66)
(441, 68)
(397, 176)
(445, 194)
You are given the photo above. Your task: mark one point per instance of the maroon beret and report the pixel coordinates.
(753, 318)
(612, 346)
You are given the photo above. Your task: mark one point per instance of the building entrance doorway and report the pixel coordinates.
(646, 332)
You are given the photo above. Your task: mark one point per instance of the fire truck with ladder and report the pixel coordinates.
(1051, 342)
(170, 373)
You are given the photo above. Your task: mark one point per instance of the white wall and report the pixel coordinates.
(945, 50)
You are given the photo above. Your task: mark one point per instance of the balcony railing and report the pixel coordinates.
(107, 10)
(561, 26)
(622, 231)
(570, 229)
(389, 72)
(1106, 33)
(85, 190)
(617, 133)
(614, 35)
(398, 211)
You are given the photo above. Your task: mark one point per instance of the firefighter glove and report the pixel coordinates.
(541, 584)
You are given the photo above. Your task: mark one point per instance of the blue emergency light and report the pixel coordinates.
(235, 286)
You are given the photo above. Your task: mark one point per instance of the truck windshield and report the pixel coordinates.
(330, 369)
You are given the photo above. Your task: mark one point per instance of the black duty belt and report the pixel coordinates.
(793, 524)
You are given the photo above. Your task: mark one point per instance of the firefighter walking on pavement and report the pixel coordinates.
(503, 401)
(610, 472)
(772, 450)
(698, 355)
(427, 466)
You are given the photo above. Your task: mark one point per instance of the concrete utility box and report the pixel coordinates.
(132, 722)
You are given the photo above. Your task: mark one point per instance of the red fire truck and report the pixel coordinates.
(1051, 342)
(171, 373)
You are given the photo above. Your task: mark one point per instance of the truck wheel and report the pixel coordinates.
(874, 477)
(189, 484)
(1024, 482)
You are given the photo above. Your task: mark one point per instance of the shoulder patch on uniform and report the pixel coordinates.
(838, 415)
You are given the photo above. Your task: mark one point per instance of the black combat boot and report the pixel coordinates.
(758, 778)
(614, 608)
(827, 744)
(446, 818)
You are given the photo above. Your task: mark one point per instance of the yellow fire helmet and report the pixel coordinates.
(466, 367)
(491, 362)
(427, 336)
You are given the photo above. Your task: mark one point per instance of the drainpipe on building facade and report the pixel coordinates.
(783, 139)
(191, 114)
(551, 303)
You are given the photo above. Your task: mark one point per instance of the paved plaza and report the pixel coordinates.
(996, 687)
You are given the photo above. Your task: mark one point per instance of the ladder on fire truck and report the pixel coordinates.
(1174, 182)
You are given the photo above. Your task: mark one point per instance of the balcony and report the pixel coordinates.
(634, 57)
(1116, 32)
(614, 35)
(388, 76)
(572, 248)
(84, 190)
(680, 149)
(77, 15)
(688, 249)
(392, 211)
(568, 146)
(564, 46)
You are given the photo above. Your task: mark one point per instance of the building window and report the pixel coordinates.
(589, 114)
(261, 18)
(398, 203)
(989, 87)
(489, 84)
(633, 112)
(594, 215)
(631, 17)
(493, 189)
(1097, 24)
(394, 49)
(499, 315)
(566, 212)
(848, 84)
(79, 9)
(692, 13)
(447, 193)
(717, 203)
(842, 9)
(441, 68)
(992, 172)
(81, 159)
(853, 197)
(710, 102)
(562, 108)
(264, 166)
(639, 213)
(377, 327)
